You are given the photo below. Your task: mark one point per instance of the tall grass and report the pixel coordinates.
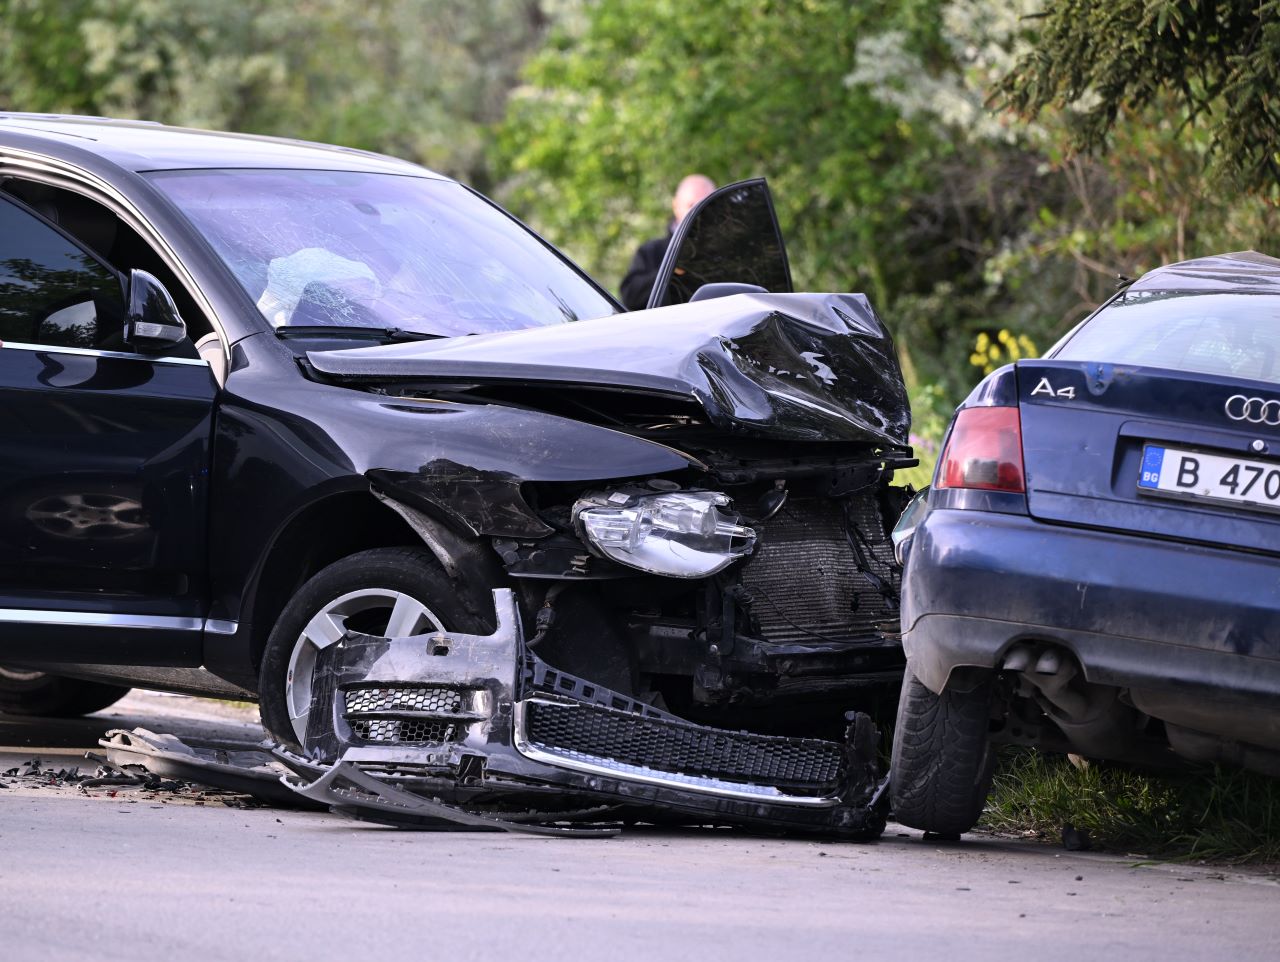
(1215, 814)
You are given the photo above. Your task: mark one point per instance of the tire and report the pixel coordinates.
(38, 693)
(942, 761)
(385, 591)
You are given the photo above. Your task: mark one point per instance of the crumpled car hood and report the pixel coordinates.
(798, 367)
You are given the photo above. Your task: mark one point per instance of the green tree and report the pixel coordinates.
(873, 196)
(645, 91)
(1215, 62)
(1076, 220)
(424, 79)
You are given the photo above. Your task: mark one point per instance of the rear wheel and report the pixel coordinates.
(25, 692)
(385, 592)
(943, 760)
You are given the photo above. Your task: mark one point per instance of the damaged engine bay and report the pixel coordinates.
(703, 643)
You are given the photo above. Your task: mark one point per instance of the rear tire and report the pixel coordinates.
(365, 592)
(943, 760)
(38, 693)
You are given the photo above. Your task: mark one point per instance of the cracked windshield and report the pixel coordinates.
(347, 249)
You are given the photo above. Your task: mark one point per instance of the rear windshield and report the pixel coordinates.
(1233, 335)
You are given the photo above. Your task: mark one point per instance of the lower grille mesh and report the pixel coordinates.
(368, 711)
(805, 579)
(683, 748)
(404, 698)
(399, 731)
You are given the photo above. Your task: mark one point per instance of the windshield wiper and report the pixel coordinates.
(378, 333)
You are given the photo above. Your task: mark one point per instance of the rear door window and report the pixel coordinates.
(52, 291)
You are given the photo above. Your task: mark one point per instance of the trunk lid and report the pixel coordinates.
(1086, 426)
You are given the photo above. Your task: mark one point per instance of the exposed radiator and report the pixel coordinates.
(804, 577)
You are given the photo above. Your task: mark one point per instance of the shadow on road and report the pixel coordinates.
(41, 733)
(160, 713)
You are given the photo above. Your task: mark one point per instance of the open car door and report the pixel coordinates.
(731, 237)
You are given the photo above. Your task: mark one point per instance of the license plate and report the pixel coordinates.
(1195, 475)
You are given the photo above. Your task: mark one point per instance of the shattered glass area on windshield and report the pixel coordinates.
(347, 249)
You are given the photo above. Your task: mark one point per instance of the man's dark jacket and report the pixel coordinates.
(638, 283)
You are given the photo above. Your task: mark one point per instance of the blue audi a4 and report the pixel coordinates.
(1096, 567)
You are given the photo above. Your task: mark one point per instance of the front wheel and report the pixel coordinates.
(38, 693)
(942, 761)
(385, 592)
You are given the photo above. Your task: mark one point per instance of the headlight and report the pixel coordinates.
(683, 534)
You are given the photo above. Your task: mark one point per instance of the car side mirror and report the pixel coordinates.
(725, 289)
(152, 321)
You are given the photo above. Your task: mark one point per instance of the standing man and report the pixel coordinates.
(638, 283)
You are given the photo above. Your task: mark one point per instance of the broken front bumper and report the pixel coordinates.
(481, 722)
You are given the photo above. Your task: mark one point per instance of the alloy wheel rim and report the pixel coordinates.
(405, 615)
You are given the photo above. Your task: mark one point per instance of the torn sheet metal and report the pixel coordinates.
(731, 237)
(236, 766)
(349, 790)
(277, 777)
(478, 720)
(797, 367)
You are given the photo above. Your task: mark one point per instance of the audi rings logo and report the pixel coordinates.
(1254, 410)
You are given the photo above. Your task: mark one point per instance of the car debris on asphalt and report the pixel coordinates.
(500, 773)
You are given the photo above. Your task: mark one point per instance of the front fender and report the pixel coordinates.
(466, 463)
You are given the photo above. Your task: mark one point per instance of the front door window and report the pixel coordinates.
(53, 292)
(730, 237)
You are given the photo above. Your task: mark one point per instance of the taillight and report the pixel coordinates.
(984, 451)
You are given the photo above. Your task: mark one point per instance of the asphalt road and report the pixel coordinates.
(85, 875)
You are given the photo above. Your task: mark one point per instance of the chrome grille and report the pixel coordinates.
(406, 714)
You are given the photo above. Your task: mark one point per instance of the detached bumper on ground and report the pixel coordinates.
(481, 722)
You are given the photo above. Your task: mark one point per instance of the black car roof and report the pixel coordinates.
(142, 145)
(1241, 270)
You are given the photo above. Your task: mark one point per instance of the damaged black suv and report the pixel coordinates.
(321, 428)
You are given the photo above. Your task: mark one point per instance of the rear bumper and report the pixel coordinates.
(1201, 623)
